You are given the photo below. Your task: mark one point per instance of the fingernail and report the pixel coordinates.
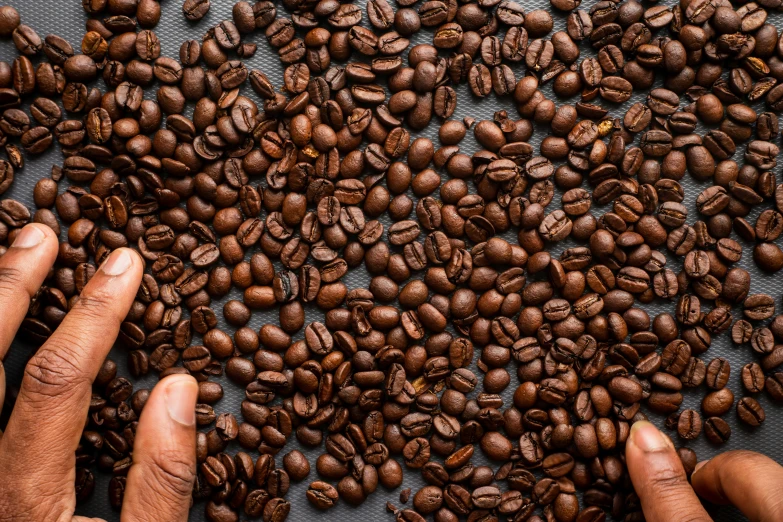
(648, 438)
(699, 465)
(181, 400)
(118, 262)
(29, 237)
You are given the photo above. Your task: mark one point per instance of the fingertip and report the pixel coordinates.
(178, 379)
(122, 261)
(139, 259)
(649, 439)
(181, 393)
(34, 241)
(699, 465)
(33, 235)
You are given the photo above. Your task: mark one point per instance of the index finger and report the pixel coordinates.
(659, 478)
(57, 384)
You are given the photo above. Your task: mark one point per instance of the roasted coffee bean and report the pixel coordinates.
(717, 430)
(195, 9)
(9, 20)
(322, 495)
(689, 425)
(388, 370)
(718, 371)
(750, 411)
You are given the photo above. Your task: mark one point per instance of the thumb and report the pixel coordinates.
(752, 482)
(160, 482)
(658, 477)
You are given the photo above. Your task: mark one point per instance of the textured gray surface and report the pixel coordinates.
(66, 18)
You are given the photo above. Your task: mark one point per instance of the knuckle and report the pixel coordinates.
(773, 506)
(93, 307)
(12, 279)
(669, 487)
(731, 463)
(668, 480)
(16, 509)
(688, 514)
(173, 475)
(667, 484)
(49, 373)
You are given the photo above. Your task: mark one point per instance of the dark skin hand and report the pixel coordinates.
(37, 450)
(750, 481)
(37, 473)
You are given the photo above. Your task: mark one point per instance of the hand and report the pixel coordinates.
(750, 481)
(37, 451)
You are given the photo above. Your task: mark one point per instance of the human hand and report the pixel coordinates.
(37, 450)
(750, 481)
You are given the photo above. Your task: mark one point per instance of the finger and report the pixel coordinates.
(57, 383)
(750, 481)
(160, 482)
(659, 479)
(2, 392)
(23, 269)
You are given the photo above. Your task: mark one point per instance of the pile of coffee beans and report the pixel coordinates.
(282, 191)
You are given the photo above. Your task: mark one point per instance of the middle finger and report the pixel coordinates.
(659, 479)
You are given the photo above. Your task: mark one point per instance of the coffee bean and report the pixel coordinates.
(322, 495)
(9, 20)
(718, 371)
(172, 192)
(750, 411)
(195, 10)
(689, 425)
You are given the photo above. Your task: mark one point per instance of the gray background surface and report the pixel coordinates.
(67, 18)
